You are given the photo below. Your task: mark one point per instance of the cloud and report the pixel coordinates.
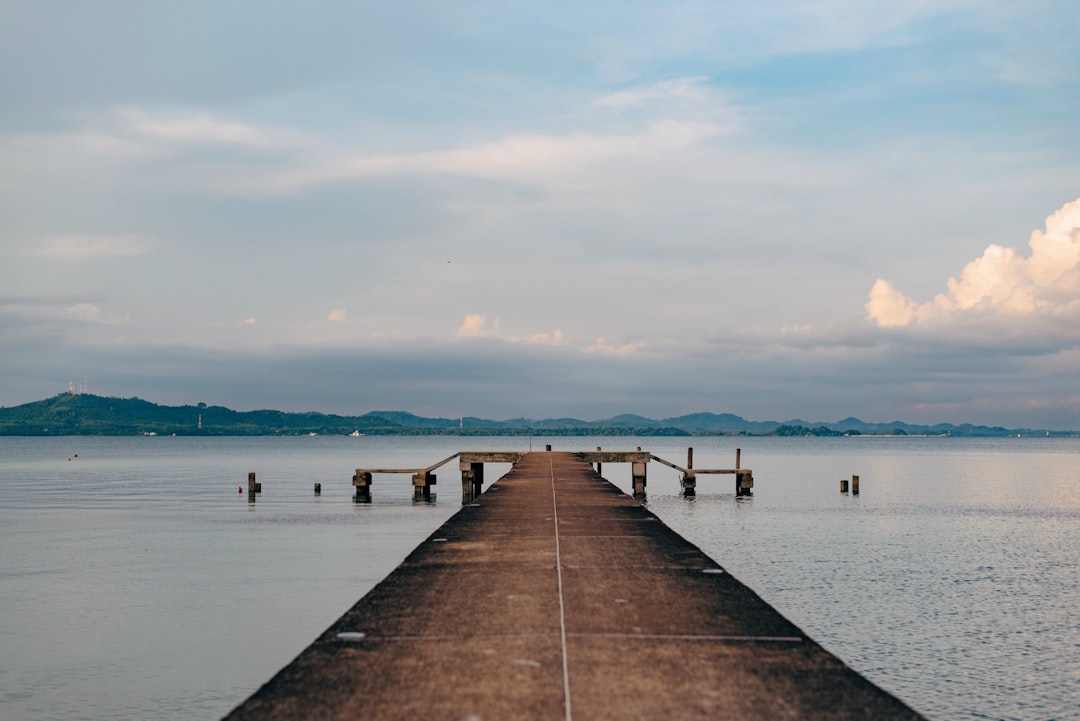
(475, 326)
(93, 246)
(338, 314)
(663, 91)
(1001, 283)
(604, 347)
(201, 128)
(92, 313)
(553, 338)
(527, 158)
(249, 321)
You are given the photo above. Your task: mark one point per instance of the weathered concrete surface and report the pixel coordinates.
(556, 581)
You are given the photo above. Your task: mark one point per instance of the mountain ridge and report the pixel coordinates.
(88, 414)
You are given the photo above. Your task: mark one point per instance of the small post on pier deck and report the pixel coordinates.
(599, 465)
(422, 483)
(472, 480)
(362, 481)
(738, 457)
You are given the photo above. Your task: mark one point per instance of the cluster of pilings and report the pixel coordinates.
(854, 485)
(471, 466)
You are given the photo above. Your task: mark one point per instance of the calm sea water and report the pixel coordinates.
(136, 583)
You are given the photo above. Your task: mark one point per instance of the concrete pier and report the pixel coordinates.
(556, 596)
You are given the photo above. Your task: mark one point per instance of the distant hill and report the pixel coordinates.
(86, 414)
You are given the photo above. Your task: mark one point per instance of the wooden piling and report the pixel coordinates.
(362, 482)
(843, 485)
(472, 480)
(637, 472)
(854, 485)
(744, 482)
(422, 483)
(318, 489)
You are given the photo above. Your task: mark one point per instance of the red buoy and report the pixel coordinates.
(239, 489)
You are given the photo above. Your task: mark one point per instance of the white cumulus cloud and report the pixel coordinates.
(1001, 282)
(476, 325)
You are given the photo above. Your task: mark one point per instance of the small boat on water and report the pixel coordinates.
(355, 434)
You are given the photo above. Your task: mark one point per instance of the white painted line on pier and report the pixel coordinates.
(562, 604)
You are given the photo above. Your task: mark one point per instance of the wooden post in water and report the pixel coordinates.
(472, 480)
(638, 473)
(318, 489)
(854, 485)
(744, 482)
(738, 458)
(422, 483)
(253, 487)
(689, 479)
(843, 485)
(362, 481)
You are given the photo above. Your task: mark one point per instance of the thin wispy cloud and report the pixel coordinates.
(92, 313)
(79, 247)
(200, 127)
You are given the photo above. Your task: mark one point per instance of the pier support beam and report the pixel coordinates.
(637, 472)
(472, 480)
(689, 479)
(253, 487)
(362, 481)
(422, 483)
(744, 483)
(689, 484)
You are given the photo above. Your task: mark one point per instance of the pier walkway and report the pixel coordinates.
(556, 596)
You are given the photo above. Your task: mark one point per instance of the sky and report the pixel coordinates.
(790, 209)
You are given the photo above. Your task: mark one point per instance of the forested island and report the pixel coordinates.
(88, 414)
